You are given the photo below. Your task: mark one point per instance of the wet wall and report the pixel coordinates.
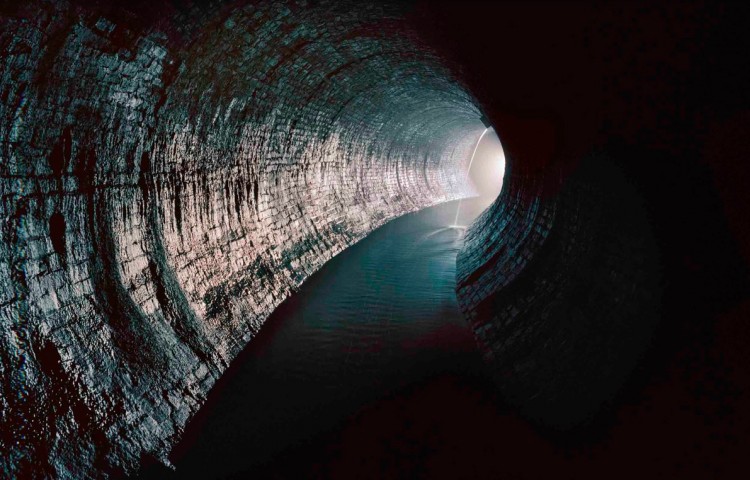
(170, 173)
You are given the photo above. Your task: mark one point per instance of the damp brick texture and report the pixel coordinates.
(562, 292)
(167, 182)
(172, 170)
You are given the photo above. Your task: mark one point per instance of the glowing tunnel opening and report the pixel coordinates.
(486, 170)
(487, 166)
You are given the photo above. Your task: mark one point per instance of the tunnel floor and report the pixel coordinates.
(379, 318)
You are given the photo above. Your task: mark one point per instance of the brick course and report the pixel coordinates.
(166, 185)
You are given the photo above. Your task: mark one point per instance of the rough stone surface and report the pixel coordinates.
(170, 171)
(562, 292)
(167, 182)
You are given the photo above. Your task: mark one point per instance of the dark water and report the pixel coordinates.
(379, 317)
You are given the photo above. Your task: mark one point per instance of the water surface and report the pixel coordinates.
(380, 316)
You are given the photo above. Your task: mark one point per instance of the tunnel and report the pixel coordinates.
(173, 170)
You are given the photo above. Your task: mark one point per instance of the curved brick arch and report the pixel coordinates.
(172, 182)
(170, 171)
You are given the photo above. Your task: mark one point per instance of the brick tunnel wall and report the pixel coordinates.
(612, 256)
(167, 180)
(562, 291)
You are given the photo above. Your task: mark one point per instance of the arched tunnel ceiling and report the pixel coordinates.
(168, 183)
(171, 171)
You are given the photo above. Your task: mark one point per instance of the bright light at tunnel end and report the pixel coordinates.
(485, 172)
(487, 165)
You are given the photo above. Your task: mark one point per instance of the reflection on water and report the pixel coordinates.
(380, 316)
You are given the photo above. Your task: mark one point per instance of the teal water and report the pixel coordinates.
(380, 316)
